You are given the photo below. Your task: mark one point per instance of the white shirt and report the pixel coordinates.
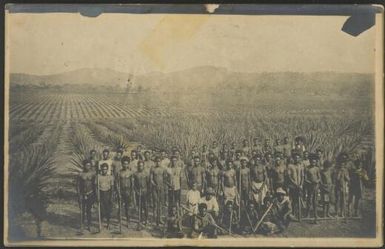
(212, 204)
(192, 200)
(109, 163)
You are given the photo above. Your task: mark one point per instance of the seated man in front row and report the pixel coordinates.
(204, 223)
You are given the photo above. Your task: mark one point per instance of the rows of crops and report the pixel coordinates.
(53, 107)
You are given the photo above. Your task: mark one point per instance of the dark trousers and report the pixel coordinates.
(105, 204)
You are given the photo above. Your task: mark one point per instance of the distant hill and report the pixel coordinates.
(210, 79)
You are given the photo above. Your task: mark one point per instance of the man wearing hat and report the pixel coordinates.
(211, 202)
(312, 180)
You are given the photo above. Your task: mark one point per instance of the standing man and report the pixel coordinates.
(148, 163)
(215, 149)
(257, 146)
(259, 181)
(157, 180)
(287, 147)
(244, 183)
(117, 164)
(164, 160)
(246, 150)
(94, 161)
(341, 179)
(279, 172)
(174, 181)
(278, 148)
(357, 176)
(267, 147)
(86, 192)
(229, 183)
(204, 153)
(237, 160)
(312, 180)
(106, 159)
(105, 186)
(213, 176)
(141, 190)
(295, 179)
(269, 166)
(125, 186)
(326, 187)
(134, 161)
(196, 174)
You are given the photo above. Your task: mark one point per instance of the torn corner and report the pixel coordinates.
(211, 7)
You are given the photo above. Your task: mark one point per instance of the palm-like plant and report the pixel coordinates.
(30, 172)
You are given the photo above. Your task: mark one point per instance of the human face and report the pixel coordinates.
(93, 154)
(197, 161)
(215, 144)
(147, 155)
(157, 162)
(297, 159)
(140, 167)
(229, 165)
(280, 197)
(104, 171)
(204, 147)
(237, 155)
(105, 154)
(125, 165)
(133, 154)
(194, 186)
(173, 161)
(305, 155)
(243, 163)
(87, 167)
(202, 210)
(278, 160)
(313, 162)
(177, 153)
(118, 155)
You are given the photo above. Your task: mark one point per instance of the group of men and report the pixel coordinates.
(251, 189)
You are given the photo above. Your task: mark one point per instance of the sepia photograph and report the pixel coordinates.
(193, 125)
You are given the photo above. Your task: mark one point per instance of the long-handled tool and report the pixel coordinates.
(99, 211)
(262, 218)
(120, 207)
(81, 213)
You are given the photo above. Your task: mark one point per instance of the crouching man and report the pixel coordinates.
(204, 224)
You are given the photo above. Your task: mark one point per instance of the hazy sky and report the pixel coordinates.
(134, 43)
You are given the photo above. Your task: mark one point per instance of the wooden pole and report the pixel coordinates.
(99, 212)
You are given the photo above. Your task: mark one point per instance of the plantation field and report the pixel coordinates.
(50, 133)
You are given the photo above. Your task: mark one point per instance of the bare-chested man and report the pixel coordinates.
(259, 180)
(196, 174)
(244, 183)
(237, 160)
(229, 183)
(86, 191)
(246, 150)
(125, 186)
(174, 182)
(213, 177)
(256, 145)
(312, 180)
(94, 161)
(141, 192)
(295, 179)
(279, 172)
(215, 149)
(157, 180)
(134, 161)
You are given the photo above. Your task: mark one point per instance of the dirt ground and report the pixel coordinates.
(64, 217)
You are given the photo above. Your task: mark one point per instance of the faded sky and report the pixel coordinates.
(134, 43)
